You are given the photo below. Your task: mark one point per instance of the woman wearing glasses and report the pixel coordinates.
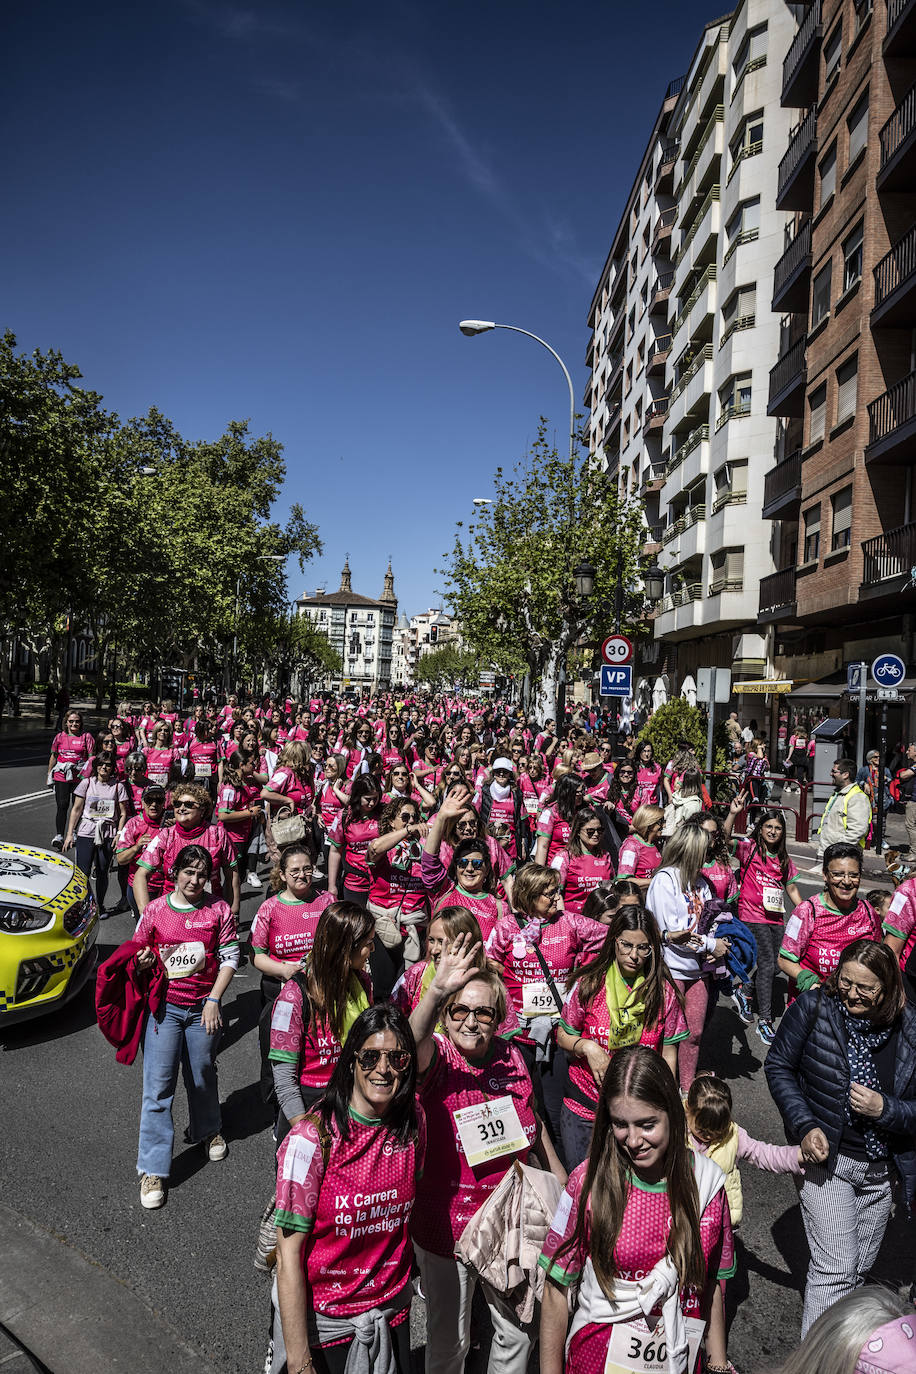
(624, 997)
(464, 1068)
(457, 820)
(470, 880)
(585, 862)
(842, 1071)
(346, 1183)
(193, 825)
(398, 900)
(819, 929)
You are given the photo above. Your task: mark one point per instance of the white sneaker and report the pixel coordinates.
(152, 1193)
(217, 1148)
(253, 880)
(58, 843)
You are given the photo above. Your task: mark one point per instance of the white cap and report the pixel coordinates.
(504, 763)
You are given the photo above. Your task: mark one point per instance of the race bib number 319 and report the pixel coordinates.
(490, 1129)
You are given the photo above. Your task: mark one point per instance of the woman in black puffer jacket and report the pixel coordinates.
(842, 1071)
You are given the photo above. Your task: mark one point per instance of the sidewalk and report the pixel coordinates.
(31, 721)
(75, 1316)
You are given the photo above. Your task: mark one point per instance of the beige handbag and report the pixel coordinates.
(287, 827)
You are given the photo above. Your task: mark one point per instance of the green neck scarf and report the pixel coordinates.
(625, 1012)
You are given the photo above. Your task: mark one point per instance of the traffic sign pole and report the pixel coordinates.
(882, 757)
(863, 697)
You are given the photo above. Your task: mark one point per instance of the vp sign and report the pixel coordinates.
(888, 670)
(616, 682)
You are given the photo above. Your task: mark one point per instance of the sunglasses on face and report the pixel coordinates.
(470, 863)
(186, 806)
(484, 1016)
(591, 834)
(398, 1061)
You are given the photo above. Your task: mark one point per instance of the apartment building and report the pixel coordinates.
(683, 336)
(840, 495)
(360, 628)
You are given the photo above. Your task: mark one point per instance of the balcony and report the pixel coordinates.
(655, 415)
(792, 273)
(795, 180)
(728, 497)
(704, 227)
(652, 540)
(660, 291)
(686, 396)
(658, 354)
(664, 178)
(695, 299)
(711, 138)
(663, 227)
(777, 596)
(889, 556)
(726, 584)
(653, 478)
(800, 68)
(735, 411)
(782, 488)
(895, 284)
(892, 424)
(898, 147)
(900, 36)
(787, 382)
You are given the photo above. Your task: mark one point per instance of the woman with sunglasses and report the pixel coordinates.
(555, 821)
(639, 857)
(123, 742)
(344, 1268)
(842, 1071)
(398, 899)
(464, 1067)
(402, 784)
(316, 1007)
(99, 812)
(193, 825)
(195, 937)
(648, 774)
(820, 928)
(585, 862)
(460, 821)
(134, 837)
(359, 747)
(71, 750)
(470, 879)
(625, 996)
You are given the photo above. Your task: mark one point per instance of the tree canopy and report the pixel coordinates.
(448, 669)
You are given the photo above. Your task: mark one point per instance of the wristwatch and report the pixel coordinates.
(664, 937)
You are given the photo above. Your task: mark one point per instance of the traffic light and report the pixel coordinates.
(434, 634)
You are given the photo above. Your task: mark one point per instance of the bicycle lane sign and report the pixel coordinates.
(888, 670)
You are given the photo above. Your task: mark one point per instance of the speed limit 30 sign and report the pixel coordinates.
(617, 649)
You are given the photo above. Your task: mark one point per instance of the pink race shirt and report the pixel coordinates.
(816, 934)
(556, 831)
(136, 829)
(299, 793)
(232, 798)
(760, 896)
(593, 1022)
(580, 874)
(202, 760)
(164, 848)
(286, 930)
(201, 933)
(451, 1191)
(396, 888)
(355, 841)
(648, 781)
(482, 905)
(637, 859)
(901, 917)
(160, 764)
(568, 941)
(641, 1244)
(355, 1210)
(329, 804)
(721, 879)
(75, 750)
(314, 1047)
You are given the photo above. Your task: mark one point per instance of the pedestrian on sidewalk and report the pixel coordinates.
(847, 814)
(906, 776)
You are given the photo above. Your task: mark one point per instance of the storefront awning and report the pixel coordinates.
(762, 685)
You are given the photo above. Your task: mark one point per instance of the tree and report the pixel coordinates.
(675, 721)
(447, 669)
(510, 577)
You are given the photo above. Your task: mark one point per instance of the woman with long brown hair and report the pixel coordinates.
(316, 1008)
(642, 1220)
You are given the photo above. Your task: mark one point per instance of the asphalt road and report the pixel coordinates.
(70, 1117)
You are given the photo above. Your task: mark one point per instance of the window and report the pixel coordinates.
(812, 546)
(863, 9)
(747, 216)
(847, 377)
(820, 296)
(749, 137)
(857, 124)
(833, 52)
(817, 414)
(739, 306)
(852, 257)
(735, 396)
(828, 175)
(752, 51)
(841, 533)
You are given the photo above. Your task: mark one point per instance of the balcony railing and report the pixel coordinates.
(900, 34)
(705, 278)
(889, 555)
(653, 534)
(711, 195)
(729, 498)
(696, 436)
(802, 146)
(703, 355)
(658, 351)
(777, 592)
(725, 584)
(788, 374)
(893, 138)
(796, 73)
(675, 87)
(793, 264)
(657, 410)
(895, 270)
(654, 473)
(715, 118)
(891, 418)
(782, 484)
(745, 236)
(733, 412)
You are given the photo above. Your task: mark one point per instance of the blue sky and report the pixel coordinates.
(281, 211)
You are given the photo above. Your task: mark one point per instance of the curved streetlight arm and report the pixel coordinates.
(572, 396)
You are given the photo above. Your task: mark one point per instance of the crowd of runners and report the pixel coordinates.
(489, 951)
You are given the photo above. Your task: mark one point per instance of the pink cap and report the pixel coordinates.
(891, 1349)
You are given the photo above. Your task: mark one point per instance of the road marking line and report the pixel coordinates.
(26, 797)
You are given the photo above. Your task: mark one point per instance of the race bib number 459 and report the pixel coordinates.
(538, 1000)
(490, 1129)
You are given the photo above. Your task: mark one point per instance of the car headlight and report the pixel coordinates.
(16, 920)
(79, 915)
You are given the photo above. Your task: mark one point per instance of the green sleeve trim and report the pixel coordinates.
(784, 954)
(290, 1222)
(283, 1056)
(259, 949)
(806, 979)
(570, 1030)
(149, 867)
(227, 944)
(730, 1272)
(511, 1034)
(559, 1275)
(335, 844)
(675, 1039)
(892, 930)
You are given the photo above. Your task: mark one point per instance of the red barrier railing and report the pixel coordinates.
(731, 783)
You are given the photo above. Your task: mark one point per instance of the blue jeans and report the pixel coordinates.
(176, 1038)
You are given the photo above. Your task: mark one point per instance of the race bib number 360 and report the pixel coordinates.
(490, 1129)
(635, 1348)
(182, 960)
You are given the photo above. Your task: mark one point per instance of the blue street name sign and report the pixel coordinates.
(888, 670)
(616, 682)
